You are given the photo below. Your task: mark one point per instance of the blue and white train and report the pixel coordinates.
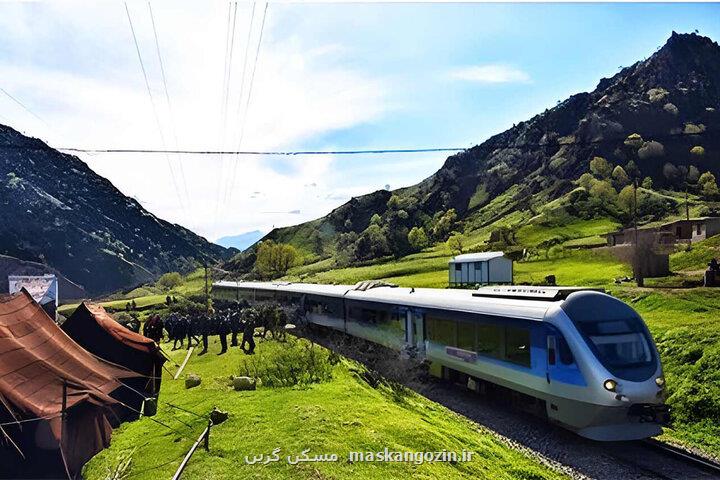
(585, 357)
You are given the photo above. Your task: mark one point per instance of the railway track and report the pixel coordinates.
(688, 457)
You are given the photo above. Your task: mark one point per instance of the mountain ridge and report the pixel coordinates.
(57, 211)
(671, 98)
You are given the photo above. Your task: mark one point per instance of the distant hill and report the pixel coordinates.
(667, 104)
(242, 241)
(56, 211)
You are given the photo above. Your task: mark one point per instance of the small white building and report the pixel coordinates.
(480, 268)
(42, 288)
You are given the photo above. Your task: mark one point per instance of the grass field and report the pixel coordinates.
(337, 416)
(430, 269)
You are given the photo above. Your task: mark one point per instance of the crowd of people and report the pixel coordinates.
(238, 320)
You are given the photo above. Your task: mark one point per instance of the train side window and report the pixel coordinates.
(466, 336)
(489, 340)
(566, 356)
(517, 346)
(441, 331)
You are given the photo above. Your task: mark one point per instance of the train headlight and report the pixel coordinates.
(660, 382)
(610, 385)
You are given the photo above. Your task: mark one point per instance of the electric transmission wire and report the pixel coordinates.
(154, 108)
(249, 97)
(227, 77)
(22, 105)
(167, 98)
(242, 90)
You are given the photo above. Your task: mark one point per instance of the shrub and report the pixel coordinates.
(692, 129)
(657, 94)
(295, 362)
(697, 151)
(274, 259)
(170, 280)
(670, 108)
(417, 238)
(604, 191)
(620, 177)
(600, 167)
(634, 140)
(651, 149)
(456, 243)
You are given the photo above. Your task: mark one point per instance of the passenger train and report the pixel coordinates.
(585, 357)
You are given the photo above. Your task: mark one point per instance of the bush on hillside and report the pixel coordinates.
(296, 362)
(170, 280)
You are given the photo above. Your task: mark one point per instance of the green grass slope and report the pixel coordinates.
(338, 416)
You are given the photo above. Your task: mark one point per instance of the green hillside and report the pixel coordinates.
(343, 413)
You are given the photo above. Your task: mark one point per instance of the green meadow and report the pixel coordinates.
(336, 414)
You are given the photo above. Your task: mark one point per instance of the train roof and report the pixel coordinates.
(529, 303)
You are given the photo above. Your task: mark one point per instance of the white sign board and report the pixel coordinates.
(43, 288)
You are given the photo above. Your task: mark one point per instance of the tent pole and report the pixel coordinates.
(63, 423)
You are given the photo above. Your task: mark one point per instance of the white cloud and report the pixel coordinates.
(299, 93)
(490, 73)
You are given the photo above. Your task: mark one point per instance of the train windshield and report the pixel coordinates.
(622, 346)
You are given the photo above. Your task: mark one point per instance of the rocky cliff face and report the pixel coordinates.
(671, 99)
(56, 211)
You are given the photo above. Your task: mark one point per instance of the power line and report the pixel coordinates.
(249, 96)
(22, 105)
(242, 89)
(39, 146)
(227, 76)
(152, 102)
(167, 97)
(238, 152)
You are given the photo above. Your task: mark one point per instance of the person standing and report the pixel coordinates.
(223, 328)
(249, 317)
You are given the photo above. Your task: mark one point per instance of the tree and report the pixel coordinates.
(273, 260)
(626, 199)
(444, 224)
(672, 174)
(647, 183)
(372, 243)
(456, 243)
(697, 151)
(586, 181)
(317, 243)
(633, 171)
(600, 167)
(603, 191)
(620, 177)
(708, 184)
(634, 140)
(651, 149)
(170, 280)
(376, 219)
(417, 238)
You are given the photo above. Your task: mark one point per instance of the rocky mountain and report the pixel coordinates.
(667, 104)
(56, 211)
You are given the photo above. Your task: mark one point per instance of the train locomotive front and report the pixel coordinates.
(624, 389)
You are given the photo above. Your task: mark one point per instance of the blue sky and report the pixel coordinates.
(329, 76)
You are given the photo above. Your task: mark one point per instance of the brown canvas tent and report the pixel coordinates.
(40, 369)
(96, 331)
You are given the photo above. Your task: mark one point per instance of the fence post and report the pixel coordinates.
(207, 436)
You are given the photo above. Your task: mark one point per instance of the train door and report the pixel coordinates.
(561, 366)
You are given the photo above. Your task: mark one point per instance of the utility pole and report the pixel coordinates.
(207, 306)
(637, 268)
